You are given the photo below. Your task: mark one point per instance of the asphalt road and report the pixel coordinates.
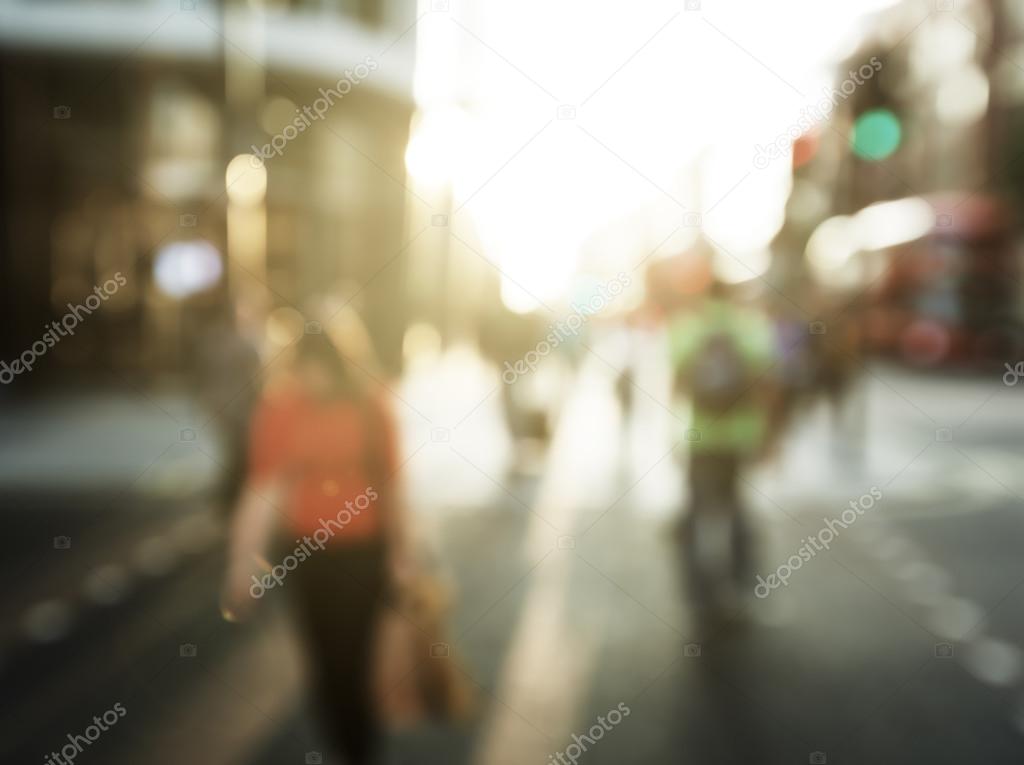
(903, 643)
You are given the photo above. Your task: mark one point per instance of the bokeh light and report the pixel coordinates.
(876, 135)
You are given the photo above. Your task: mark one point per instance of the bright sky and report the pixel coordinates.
(669, 104)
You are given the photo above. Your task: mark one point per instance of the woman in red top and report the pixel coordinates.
(323, 454)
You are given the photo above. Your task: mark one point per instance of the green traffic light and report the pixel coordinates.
(876, 134)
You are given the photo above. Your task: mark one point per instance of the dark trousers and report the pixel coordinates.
(714, 491)
(339, 596)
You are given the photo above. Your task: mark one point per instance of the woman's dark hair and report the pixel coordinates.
(719, 289)
(319, 349)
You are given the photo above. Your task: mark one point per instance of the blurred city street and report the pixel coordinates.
(570, 601)
(415, 382)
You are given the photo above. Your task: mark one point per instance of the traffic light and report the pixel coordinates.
(876, 134)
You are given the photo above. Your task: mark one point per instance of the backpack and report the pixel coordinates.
(718, 375)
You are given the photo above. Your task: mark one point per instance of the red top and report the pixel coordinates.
(328, 453)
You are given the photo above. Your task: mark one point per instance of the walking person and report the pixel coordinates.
(226, 376)
(324, 451)
(722, 355)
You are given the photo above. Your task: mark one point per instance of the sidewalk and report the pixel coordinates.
(108, 442)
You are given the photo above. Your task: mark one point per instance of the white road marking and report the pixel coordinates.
(993, 661)
(547, 670)
(48, 621)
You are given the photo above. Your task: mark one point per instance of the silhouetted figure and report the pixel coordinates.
(227, 375)
(722, 354)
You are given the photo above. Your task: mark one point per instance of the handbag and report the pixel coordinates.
(416, 677)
